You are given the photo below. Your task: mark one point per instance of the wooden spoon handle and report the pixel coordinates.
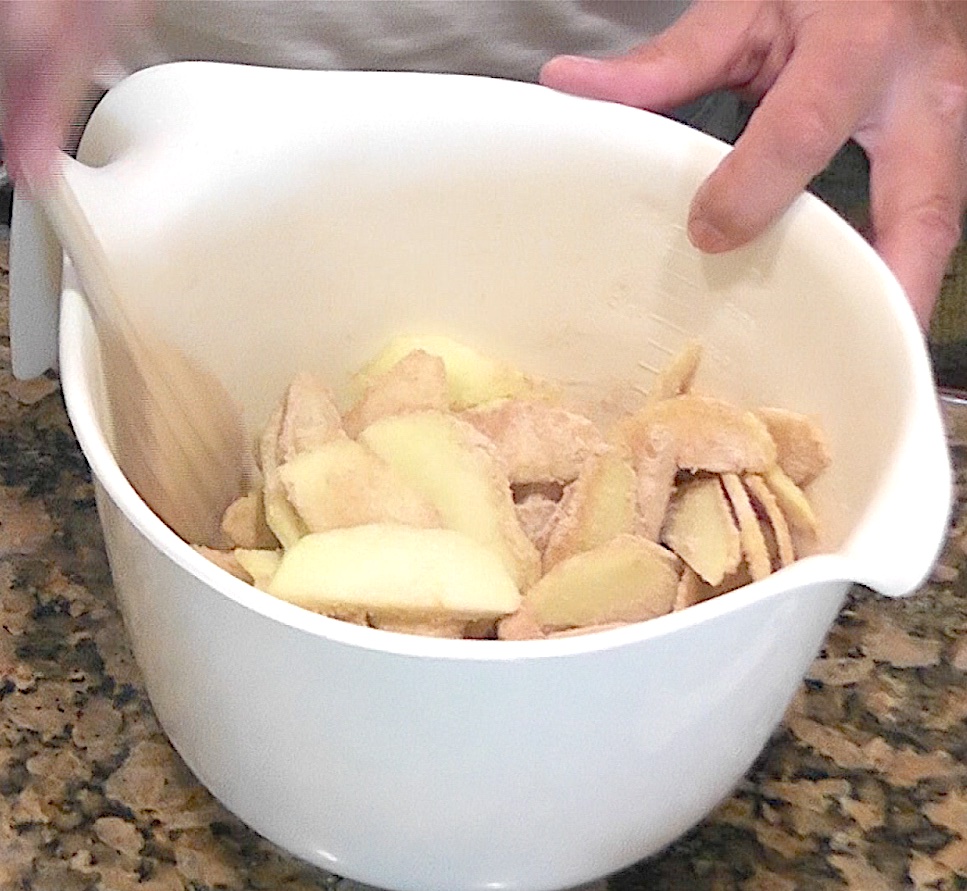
(177, 438)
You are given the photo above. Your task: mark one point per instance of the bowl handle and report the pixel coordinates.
(899, 541)
(36, 261)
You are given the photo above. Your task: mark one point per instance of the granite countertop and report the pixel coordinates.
(864, 786)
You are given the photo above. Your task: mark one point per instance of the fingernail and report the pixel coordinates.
(707, 237)
(586, 61)
(564, 67)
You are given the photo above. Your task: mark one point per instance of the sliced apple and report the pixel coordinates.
(244, 522)
(280, 517)
(535, 440)
(627, 579)
(260, 563)
(342, 483)
(453, 629)
(677, 376)
(417, 381)
(802, 450)
(584, 629)
(455, 478)
(598, 506)
(397, 572)
(472, 378)
(785, 551)
(656, 466)
(793, 503)
(309, 417)
(520, 625)
(709, 434)
(452, 465)
(692, 589)
(701, 530)
(535, 513)
(753, 542)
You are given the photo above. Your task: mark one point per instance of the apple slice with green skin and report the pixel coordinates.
(627, 579)
(472, 378)
(342, 483)
(395, 572)
(451, 464)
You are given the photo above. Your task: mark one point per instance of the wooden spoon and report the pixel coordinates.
(177, 437)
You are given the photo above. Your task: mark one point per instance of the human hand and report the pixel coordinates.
(891, 75)
(50, 51)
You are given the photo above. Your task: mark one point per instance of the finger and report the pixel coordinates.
(50, 50)
(710, 47)
(918, 189)
(33, 131)
(38, 84)
(828, 86)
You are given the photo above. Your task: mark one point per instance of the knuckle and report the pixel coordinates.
(808, 137)
(938, 220)
(950, 97)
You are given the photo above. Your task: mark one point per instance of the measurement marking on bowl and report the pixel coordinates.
(661, 320)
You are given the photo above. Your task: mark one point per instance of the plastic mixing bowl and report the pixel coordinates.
(292, 221)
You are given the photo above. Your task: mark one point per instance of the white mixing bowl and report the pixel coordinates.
(294, 220)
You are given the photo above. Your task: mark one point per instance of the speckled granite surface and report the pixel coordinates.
(863, 787)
